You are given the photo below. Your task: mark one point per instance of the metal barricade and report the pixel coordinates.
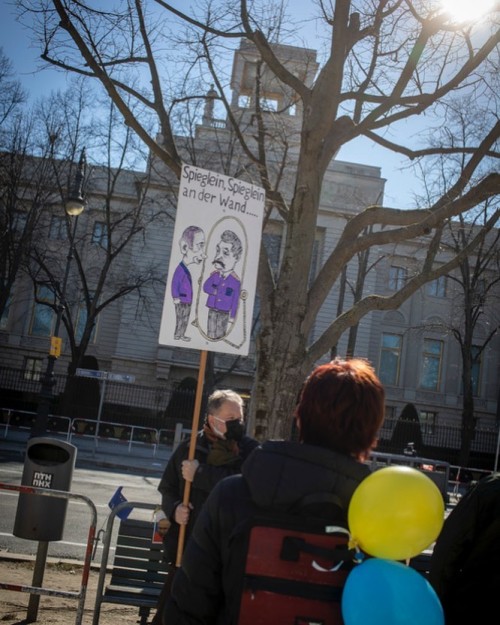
(437, 470)
(39, 590)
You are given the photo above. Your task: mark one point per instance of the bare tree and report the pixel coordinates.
(115, 219)
(477, 279)
(474, 321)
(11, 92)
(27, 184)
(382, 64)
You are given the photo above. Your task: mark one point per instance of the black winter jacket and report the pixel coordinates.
(171, 485)
(465, 563)
(206, 589)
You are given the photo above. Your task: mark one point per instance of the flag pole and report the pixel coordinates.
(192, 447)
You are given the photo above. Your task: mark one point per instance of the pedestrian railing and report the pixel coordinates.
(36, 589)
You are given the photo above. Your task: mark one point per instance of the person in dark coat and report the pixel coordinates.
(221, 448)
(340, 410)
(465, 562)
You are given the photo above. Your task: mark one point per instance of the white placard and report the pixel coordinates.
(213, 267)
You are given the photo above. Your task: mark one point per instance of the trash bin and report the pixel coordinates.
(49, 463)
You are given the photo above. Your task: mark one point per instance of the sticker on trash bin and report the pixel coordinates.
(42, 480)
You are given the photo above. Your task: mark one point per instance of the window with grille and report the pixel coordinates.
(428, 421)
(32, 369)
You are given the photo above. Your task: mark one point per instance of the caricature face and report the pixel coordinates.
(225, 259)
(196, 254)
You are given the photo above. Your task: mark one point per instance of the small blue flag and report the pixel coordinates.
(116, 499)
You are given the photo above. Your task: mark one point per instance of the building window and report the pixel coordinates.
(269, 104)
(100, 234)
(57, 230)
(5, 315)
(431, 364)
(428, 421)
(244, 101)
(390, 413)
(437, 288)
(476, 370)
(81, 322)
(43, 315)
(397, 277)
(390, 355)
(19, 219)
(33, 369)
(272, 243)
(480, 291)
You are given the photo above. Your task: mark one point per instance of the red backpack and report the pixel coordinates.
(295, 567)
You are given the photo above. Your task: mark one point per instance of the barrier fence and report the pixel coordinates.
(23, 420)
(36, 589)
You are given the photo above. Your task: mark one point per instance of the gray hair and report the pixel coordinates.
(217, 398)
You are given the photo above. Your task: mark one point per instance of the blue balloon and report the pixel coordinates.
(384, 592)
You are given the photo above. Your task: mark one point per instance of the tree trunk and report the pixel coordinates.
(468, 421)
(282, 361)
(278, 381)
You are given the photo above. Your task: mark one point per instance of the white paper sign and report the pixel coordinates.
(213, 266)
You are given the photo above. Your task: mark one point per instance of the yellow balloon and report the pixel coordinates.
(396, 513)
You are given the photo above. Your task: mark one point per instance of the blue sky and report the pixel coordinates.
(18, 45)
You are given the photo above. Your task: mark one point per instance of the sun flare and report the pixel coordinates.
(467, 10)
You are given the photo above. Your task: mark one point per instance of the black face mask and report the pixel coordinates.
(234, 430)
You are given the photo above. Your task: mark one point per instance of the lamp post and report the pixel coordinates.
(74, 206)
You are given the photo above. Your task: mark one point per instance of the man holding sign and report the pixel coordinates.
(221, 448)
(229, 212)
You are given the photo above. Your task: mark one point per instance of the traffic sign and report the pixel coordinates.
(121, 377)
(92, 373)
(105, 375)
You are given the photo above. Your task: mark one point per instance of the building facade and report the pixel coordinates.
(414, 348)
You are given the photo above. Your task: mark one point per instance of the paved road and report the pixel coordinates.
(98, 485)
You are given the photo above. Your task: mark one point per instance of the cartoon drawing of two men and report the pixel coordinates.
(223, 285)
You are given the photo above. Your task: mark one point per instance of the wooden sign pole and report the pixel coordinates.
(192, 447)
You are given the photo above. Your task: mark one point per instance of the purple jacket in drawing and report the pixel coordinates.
(182, 286)
(223, 292)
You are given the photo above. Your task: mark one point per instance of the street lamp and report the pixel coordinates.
(74, 206)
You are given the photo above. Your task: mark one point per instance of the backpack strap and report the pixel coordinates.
(318, 498)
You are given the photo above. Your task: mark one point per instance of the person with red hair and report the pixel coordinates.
(341, 407)
(339, 413)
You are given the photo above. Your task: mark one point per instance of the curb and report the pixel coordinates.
(7, 556)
